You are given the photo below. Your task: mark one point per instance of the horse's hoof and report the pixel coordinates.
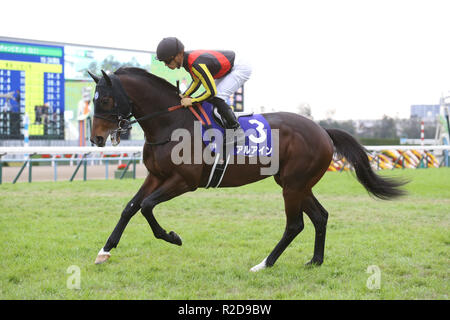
(175, 239)
(313, 263)
(260, 266)
(102, 258)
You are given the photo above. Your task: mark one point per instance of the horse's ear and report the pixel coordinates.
(107, 78)
(96, 79)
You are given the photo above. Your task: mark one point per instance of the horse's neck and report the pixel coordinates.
(151, 97)
(160, 126)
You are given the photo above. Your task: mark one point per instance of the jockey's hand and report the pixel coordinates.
(186, 102)
(181, 95)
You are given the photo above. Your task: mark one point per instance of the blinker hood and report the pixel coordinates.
(110, 86)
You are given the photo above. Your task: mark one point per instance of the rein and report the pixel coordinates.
(155, 114)
(124, 123)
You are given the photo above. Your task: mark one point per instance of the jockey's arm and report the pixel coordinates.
(204, 77)
(193, 87)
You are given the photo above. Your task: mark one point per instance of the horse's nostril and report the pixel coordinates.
(99, 140)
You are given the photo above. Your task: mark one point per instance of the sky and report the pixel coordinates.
(345, 59)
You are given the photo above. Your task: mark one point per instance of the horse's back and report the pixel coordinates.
(305, 148)
(308, 132)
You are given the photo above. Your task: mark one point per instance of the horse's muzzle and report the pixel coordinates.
(98, 141)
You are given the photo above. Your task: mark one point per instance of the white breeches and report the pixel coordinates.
(229, 84)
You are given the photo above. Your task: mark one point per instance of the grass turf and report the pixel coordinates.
(46, 227)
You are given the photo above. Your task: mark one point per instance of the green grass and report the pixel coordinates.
(45, 227)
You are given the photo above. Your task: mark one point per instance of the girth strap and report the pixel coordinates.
(217, 171)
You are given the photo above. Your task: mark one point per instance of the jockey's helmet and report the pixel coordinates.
(168, 48)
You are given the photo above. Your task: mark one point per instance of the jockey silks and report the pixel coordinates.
(205, 66)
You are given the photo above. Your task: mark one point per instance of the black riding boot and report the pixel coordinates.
(230, 118)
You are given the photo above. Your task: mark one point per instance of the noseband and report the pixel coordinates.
(123, 124)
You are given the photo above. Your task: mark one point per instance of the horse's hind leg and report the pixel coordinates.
(319, 218)
(294, 225)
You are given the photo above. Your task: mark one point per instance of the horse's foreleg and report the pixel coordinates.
(319, 218)
(130, 210)
(168, 190)
(294, 225)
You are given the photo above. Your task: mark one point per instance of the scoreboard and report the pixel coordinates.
(45, 81)
(34, 75)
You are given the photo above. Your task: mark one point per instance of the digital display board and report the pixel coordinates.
(33, 75)
(47, 81)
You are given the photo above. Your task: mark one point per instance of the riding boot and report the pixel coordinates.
(230, 120)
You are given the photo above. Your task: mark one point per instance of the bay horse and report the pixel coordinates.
(305, 153)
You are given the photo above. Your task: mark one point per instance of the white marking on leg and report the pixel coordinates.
(260, 266)
(102, 252)
(102, 256)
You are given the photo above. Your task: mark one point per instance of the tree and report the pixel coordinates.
(410, 128)
(111, 64)
(346, 125)
(385, 128)
(304, 109)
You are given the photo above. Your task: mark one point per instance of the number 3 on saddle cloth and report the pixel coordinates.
(258, 139)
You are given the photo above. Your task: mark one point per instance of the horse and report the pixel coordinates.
(305, 151)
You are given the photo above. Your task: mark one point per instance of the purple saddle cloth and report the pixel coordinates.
(258, 136)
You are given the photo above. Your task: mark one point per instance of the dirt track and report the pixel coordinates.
(64, 173)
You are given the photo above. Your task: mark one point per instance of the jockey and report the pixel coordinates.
(219, 72)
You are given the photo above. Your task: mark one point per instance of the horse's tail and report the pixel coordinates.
(381, 187)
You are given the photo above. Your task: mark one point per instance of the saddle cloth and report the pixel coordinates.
(258, 137)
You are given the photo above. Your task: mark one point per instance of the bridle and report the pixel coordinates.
(123, 106)
(124, 123)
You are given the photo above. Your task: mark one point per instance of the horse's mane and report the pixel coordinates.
(147, 75)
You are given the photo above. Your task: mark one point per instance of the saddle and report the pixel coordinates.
(257, 141)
